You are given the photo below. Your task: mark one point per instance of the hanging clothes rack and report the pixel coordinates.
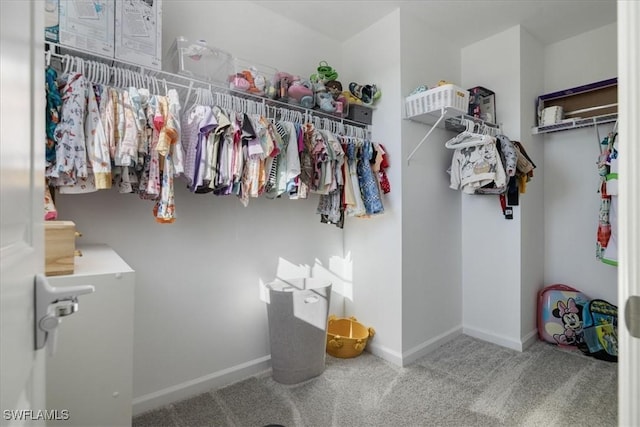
(117, 72)
(451, 119)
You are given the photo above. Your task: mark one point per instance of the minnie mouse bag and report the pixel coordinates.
(560, 311)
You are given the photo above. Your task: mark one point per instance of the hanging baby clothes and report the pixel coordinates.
(607, 235)
(71, 155)
(509, 159)
(475, 166)
(367, 180)
(353, 196)
(54, 103)
(330, 205)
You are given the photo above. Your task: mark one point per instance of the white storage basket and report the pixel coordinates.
(435, 99)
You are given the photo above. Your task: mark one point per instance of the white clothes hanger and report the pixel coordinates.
(469, 137)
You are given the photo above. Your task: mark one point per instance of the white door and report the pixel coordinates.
(629, 273)
(21, 207)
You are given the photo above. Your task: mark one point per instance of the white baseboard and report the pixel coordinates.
(385, 353)
(501, 340)
(529, 339)
(426, 347)
(203, 384)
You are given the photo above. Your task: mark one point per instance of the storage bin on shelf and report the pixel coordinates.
(199, 60)
(346, 337)
(251, 77)
(445, 96)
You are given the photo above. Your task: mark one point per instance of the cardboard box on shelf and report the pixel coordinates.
(51, 21)
(87, 25)
(138, 28)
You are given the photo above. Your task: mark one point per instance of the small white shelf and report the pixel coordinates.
(575, 124)
(448, 118)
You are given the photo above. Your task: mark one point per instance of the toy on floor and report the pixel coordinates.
(560, 315)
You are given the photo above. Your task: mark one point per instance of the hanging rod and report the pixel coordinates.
(185, 83)
(453, 120)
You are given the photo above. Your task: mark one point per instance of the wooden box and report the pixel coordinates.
(59, 247)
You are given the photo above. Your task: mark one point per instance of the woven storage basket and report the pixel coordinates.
(346, 337)
(449, 96)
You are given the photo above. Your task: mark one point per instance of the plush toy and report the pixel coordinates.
(350, 98)
(334, 87)
(239, 82)
(280, 85)
(326, 102)
(300, 90)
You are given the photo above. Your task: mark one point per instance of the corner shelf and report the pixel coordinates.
(575, 124)
(448, 118)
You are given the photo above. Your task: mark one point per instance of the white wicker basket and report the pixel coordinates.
(449, 96)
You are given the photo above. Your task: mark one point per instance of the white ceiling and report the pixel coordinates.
(462, 21)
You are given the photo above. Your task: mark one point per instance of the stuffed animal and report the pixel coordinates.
(326, 102)
(300, 90)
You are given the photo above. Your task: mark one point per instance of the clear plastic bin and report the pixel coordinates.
(201, 61)
(251, 77)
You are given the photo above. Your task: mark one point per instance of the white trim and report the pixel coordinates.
(426, 347)
(629, 212)
(203, 384)
(500, 340)
(385, 353)
(529, 339)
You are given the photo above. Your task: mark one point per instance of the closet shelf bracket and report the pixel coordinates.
(447, 117)
(435, 125)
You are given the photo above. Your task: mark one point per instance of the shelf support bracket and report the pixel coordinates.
(435, 125)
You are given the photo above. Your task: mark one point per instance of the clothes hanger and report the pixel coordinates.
(469, 137)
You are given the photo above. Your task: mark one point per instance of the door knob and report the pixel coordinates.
(632, 315)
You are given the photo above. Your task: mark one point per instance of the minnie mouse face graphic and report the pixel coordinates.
(571, 315)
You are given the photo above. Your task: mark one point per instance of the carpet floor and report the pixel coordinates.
(465, 382)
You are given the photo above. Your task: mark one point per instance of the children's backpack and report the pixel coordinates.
(560, 311)
(600, 330)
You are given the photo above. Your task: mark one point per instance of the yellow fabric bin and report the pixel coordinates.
(346, 337)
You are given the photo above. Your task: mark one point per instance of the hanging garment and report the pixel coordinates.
(71, 154)
(476, 166)
(354, 205)
(54, 104)
(607, 234)
(508, 159)
(367, 180)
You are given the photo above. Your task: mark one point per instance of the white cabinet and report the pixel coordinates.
(91, 373)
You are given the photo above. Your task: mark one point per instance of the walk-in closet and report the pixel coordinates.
(184, 257)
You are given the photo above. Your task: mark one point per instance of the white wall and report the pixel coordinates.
(431, 245)
(586, 58)
(571, 179)
(374, 244)
(491, 244)
(199, 321)
(532, 202)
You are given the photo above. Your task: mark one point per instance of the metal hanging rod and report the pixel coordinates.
(186, 85)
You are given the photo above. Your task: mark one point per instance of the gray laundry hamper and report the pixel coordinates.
(298, 310)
